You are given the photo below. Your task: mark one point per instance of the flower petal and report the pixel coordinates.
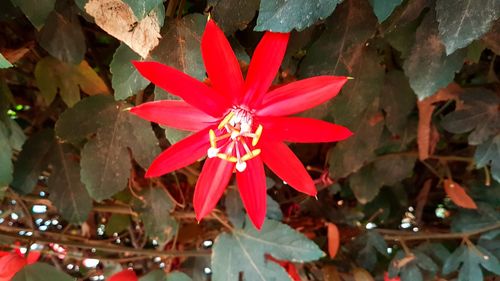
(125, 275)
(301, 95)
(180, 154)
(266, 61)
(298, 129)
(283, 162)
(189, 89)
(10, 265)
(213, 180)
(252, 186)
(174, 113)
(33, 256)
(222, 65)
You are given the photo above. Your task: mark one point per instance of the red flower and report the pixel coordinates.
(12, 262)
(238, 123)
(125, 275)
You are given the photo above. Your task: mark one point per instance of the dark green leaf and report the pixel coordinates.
(36, 11)
(67, 192)
(233, 15)
(388, 170)
(424, 262)
(16, 135)
(142, 8)
(398, 101)
(105, 159)
(384, 8)
(479, 114)
(370, 243)
(52, 74)
(488, 153)
(178, 276)
(32, 160)
(4, 63)
(428, 66)
(186, 55)
(41, 271)
(463, 21)
(332, 52)
(126, 79)
(273, 209)
(402, 38)
(285, 15)
(244, 250)
(159, 275)
(411, 273)
(62, 36)
(156, 215)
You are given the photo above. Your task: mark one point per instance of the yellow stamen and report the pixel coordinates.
(258, 132)
(226, 120)
(212, 137)
(251, 155)
(227, 157)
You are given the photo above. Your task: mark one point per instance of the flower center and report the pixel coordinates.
(235, 139)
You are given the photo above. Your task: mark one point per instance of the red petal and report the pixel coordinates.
(189, 89)
(283, 162)
(252, 186)
(10, 265)
(333, 236)
(180, 154)
(297, 129)
(33, 256)
(266, 61)
(222, 66)
(301, 95)
(174, 113)
(125, 275)
(213, 180)
(458, 195)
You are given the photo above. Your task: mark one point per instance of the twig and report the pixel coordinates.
(396, 235)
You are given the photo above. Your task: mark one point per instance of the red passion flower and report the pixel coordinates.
(12, 262)
(239, 124)
(125, 275)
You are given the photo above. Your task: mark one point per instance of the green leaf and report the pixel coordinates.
(387, 170)
(178, 276)
(234, 208)
(488, 153)
(492, 38)
(52, 74)
(273, 209)
(16, 135)
(398, 101)
(428, 66)
(186, 56)
(383, 8)
(467, 259)
(116, 224)
(479, 114)
(244, 251)
(463, 21)
(41, 271)
(350, 155)
(156, 215)
(36, 11)
(105, 158)
(159, 275)
(32, 160)
(333, 50)
(233, 15)
(67, 192)
(126, 79)
(285, 15)
(411, 273)
(4, 63)
(368, 245)
(62, 36)
(5, 157)
(143, 8)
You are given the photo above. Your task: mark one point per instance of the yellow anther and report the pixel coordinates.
(212, 137)
(250, 155)
(225, 120)
(227, 157)
(258, 132)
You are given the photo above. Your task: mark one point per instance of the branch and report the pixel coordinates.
(396, 235)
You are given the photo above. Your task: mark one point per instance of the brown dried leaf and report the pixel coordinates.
(360, 274)
(426, 135)
(118, 19)
(458, 195)
(333, 239)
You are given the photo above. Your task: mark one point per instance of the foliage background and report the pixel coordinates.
(414, 193)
